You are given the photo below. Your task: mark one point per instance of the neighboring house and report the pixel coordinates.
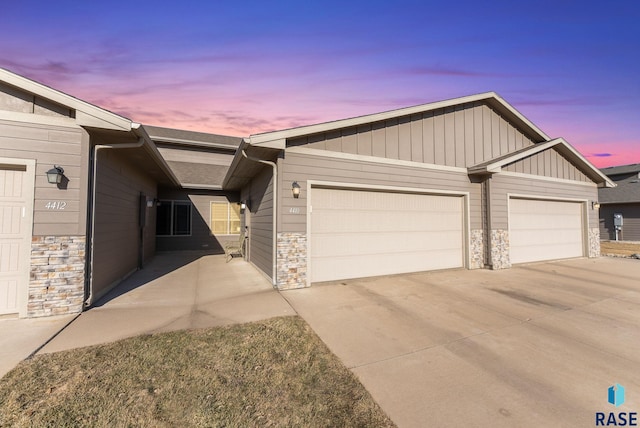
(624, 199)
(465, 183)
(64, 245)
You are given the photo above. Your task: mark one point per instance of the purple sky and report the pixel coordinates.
(240, 68)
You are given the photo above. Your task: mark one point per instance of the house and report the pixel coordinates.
(464, 183)
(622, 202)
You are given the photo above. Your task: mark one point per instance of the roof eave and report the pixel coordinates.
(277, 139)
(495, 167)
(86, 114)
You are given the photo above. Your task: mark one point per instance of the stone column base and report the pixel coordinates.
(56, 284)
(594, 242)
(292, 260)
(476, 249)
(500, 258)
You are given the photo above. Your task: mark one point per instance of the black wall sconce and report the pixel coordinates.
(295, 189)
(595, 205)
(55, 174)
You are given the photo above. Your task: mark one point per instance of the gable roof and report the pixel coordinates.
(622, 169)
(277, 139)
(86, 114)
(495, 165)
(193, 138)
(628, 186)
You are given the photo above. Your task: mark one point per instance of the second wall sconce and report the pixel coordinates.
(295, 189)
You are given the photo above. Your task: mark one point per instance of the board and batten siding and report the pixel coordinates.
(502, 185)
(65, 145)
(117, 231)
(303, 167)
(460, 136)
(201, 238)
(259, 220)
(548, 163)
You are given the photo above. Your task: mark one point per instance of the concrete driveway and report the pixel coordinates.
(535, 345)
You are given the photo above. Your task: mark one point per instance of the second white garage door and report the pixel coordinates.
(357, 233)
(545, 230)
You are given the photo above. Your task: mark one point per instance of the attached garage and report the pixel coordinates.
(545, 229)
(362, 233)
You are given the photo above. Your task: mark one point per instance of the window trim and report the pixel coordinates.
(175, 202)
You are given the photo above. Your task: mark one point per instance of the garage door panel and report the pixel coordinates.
(545, 230)
(368, 244)
(328, 269)
(362, 233)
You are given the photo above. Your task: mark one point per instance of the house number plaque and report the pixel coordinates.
(56, 205)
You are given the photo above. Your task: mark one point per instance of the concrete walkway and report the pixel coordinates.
(19, 338)
(175, 291)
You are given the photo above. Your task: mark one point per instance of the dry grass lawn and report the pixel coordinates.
(619, 248)
(271, 373)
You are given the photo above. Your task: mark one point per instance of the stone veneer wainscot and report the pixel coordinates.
(594, 242)
(56, 284)
(292, 260)
(477, 249)
(500, 256)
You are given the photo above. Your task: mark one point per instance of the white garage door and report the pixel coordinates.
(358, 233)
(545, 230)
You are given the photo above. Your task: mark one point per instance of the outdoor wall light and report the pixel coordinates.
(243, 205)
(295, 189)
(55, 174)
(595, 205)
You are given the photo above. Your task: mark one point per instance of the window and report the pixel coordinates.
(225, 218)
(173, 218)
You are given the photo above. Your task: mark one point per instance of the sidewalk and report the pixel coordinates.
(175, 291)
(21, 337)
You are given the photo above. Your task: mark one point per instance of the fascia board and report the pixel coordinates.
(155, 154)
(496, 167)
(260, 139)
(235, 162)
(537, 148)
(606, 180)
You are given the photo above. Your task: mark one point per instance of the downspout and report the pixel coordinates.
(141, 140)
(487, 222)
(274, 260)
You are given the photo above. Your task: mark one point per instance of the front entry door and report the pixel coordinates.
(16, 206)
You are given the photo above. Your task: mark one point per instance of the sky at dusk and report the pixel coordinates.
(239, 68)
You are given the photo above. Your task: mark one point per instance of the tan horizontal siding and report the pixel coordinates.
(116, 235)
(259, 193)
(502, 185)
(52, 145)
(630, 217)
(303, 167)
